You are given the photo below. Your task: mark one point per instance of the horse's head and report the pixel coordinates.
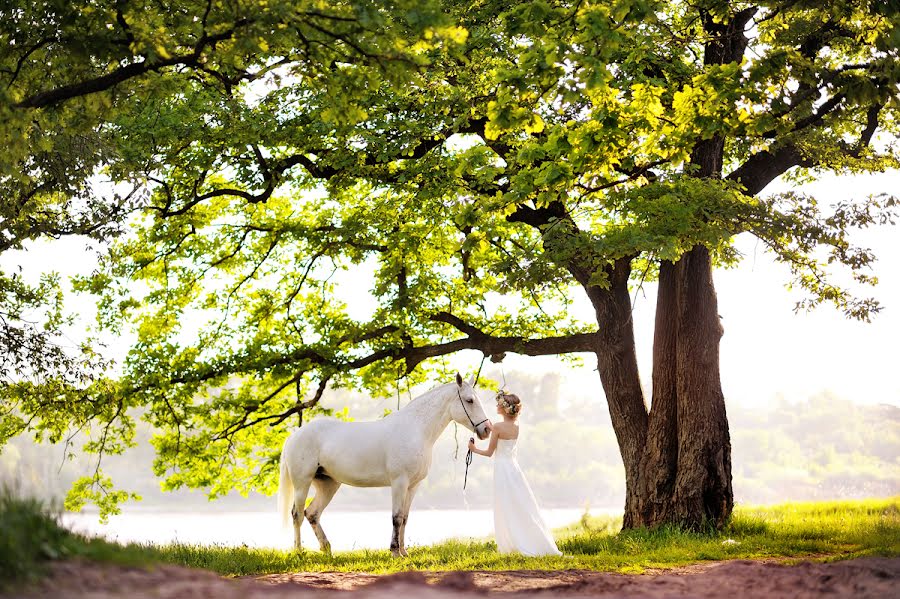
(466, 409)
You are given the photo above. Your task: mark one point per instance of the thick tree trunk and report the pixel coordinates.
(685, 472)
(684, 476)
(702, 491)
(678, 457)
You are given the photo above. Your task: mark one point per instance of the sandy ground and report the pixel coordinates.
(859, 578)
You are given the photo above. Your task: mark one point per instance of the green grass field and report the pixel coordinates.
(824, 530)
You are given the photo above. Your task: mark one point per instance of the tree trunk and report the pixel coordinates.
(618, 369)
(677, 458)
(684, 476)
(702, 491)
(685, 472)
(660, 458)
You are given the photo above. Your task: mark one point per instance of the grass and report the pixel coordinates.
(793, 530)
(31, 536)
(824, 530)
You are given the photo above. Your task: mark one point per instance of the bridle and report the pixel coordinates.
(462, 402)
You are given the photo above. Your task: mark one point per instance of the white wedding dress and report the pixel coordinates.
(518, 525)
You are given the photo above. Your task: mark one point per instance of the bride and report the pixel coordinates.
(518, 525)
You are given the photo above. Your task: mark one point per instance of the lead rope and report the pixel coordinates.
(468, 463)
(469, 452)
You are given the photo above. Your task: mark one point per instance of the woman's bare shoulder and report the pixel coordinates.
(507, 430)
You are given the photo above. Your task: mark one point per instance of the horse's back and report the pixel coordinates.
(349, 452)
(323, 430)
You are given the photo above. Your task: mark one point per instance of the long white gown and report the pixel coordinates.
(518, 525)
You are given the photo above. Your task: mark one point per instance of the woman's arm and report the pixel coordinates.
(492, 445)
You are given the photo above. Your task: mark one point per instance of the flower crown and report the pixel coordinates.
(509, 407)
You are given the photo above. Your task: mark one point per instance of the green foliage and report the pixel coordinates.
(27, 535)
(94, 99)
(98, 490)
(32, 317)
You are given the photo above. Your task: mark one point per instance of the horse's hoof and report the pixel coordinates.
(395, 553)
(403, 553)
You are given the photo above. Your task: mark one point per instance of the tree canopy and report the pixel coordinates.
(76, 77)
(482, 162)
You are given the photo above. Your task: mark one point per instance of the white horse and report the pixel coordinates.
(392, 452)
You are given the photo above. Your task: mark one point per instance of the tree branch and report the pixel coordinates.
(764, 167)
(122, 74)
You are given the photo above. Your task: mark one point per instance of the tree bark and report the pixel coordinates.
(660, 457)
(684, 476)
(702, 493)
(677, 458)
(618, 369)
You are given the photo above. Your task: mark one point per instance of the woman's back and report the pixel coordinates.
(508, 431)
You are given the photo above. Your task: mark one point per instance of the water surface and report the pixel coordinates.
(345, 529)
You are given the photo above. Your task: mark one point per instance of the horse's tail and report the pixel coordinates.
(285, 491)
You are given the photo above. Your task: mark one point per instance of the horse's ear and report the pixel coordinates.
(472, 380)
(458, 380)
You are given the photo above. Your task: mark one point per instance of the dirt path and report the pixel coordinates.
(491, 580)
(860, 578)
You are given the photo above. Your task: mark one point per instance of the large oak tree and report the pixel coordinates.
(556, 148)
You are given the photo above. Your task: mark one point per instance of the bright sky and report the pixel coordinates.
(767, 350)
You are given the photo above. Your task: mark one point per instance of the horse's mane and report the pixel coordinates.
(427, 395)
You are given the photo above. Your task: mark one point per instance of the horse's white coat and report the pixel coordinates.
(392, 452)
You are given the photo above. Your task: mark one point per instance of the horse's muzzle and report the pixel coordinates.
(484, 431)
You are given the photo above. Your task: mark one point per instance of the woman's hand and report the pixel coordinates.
(492, 445)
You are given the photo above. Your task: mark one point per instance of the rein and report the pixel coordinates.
(475, 428)
(468, 463)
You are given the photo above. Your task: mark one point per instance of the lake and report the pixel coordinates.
(345, 529)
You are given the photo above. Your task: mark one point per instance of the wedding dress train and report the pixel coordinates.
(518, 525)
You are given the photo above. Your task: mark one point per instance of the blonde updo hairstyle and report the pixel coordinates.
(509, 403)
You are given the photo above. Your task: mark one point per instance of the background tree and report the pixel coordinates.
(559, 146)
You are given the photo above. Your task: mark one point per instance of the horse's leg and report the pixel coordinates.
(399, 493)
(301, 490)
(325, 490)
(409, 498)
